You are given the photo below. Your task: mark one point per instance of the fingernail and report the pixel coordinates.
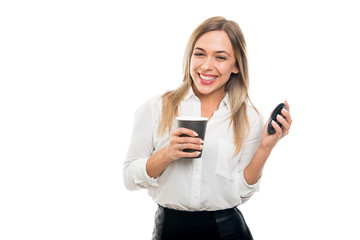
(285, 109)
(199, 153)
(201, 146)
(195, 134)
(201, 141)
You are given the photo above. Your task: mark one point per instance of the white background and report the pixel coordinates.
(74, 72)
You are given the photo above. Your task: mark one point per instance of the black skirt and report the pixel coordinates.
(228, 224)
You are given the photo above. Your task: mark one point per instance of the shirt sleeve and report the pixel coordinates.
(247, 153)
(140, 148)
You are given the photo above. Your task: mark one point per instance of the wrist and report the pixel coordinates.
(265, 148)
(157, 163)
(164, 156)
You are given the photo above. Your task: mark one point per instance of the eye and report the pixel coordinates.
(198, 54)
(221, 58)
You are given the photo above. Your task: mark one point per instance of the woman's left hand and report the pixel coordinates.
(268, 142)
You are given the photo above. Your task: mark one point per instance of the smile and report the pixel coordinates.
(207, 79)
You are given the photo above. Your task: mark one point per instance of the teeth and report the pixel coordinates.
(207, 78)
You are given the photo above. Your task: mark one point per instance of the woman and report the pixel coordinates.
(198, 197)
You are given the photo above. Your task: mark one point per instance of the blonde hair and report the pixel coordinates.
(237, 86)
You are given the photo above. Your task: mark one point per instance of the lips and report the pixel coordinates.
(207, 79)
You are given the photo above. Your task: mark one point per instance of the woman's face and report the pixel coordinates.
(212, 63)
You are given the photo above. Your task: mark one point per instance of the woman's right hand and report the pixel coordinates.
(158, 162)
(173, 149)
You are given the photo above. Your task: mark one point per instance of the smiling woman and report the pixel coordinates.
(212, 63)
(198, 196)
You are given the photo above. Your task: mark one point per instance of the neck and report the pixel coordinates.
(209, 102)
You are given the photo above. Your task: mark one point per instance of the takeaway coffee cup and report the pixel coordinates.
(197, 124)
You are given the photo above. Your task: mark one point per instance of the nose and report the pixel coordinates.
(207, 64)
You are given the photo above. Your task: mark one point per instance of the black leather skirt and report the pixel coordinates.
(228, 224)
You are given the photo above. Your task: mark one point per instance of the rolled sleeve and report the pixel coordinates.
(246, 190)
(137, 176)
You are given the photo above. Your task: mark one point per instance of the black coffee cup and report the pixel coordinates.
(197, 124)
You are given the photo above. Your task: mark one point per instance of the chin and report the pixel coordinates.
(206, 90)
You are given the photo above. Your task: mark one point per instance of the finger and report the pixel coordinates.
(181, 131)
(189, 154)
(287, 105)
(277, 128)
(283, 122)
(192, 146)
(194, 140)
(287, 115)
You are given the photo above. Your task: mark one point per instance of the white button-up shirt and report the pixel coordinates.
(214, 181)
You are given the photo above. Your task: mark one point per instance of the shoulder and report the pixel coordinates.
(151, 102)
(151, 106)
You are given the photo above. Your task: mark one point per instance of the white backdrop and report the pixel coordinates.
(74, 72)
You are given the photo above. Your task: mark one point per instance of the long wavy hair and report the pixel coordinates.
(237, 86)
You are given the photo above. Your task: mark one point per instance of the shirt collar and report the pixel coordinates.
(226, 101)
(189, 94)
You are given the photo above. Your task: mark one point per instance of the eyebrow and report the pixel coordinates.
(220, 51)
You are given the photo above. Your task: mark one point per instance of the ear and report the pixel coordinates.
(235, 69)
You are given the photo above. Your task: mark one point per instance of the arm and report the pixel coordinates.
(253, 171)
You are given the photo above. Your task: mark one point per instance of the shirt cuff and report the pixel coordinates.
(247, 190)
(255, 186)
(142, 178)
